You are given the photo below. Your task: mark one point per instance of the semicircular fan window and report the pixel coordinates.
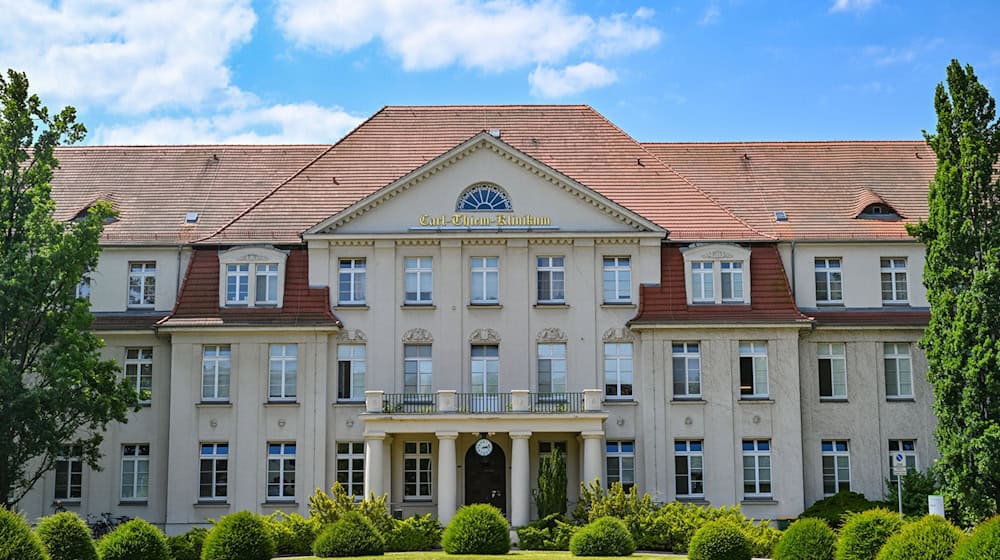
(483, 197)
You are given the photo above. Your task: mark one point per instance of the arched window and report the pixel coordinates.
(483, 197)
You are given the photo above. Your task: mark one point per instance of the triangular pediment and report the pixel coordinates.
(514, 192)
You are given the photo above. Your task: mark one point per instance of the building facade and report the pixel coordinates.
(427, 307)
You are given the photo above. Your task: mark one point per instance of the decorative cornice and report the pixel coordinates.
(406, 241)
(616, 241)
(550, 241)
(351, 335)
(618, 334)
(484, 336)
(551, 334)
(352, 242)
(417, 336)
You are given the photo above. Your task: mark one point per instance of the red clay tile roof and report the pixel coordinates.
(127, 321)
(818, 184)
(873, 318)
(198, 304)
(153, 187)
(573, 139)
(770, 296)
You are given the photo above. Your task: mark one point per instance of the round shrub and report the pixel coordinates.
(864, 534)
(134, 540)
(809, 538)
(605, 536)
(66, 537)
(352, 535)
(238, 536)
(983, 545)
(477, 529)
(17, 542)
(719, 540)
(419, 532)
(196, 536)
(763, 538)
(181, 548)
(931, 538)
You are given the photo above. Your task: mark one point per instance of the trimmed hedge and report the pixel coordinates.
(864, 534)
(196, 536)
(134, 540)
(607, 536)
(931, 538)
(719, 540)
(292, 533)
(552, 532)
(807, 539)
(763, 539)
(238, 536)
(984, 543)
(835, 508)
(418, 532)
(17, 542)
(477, 529)
(66, 537)
(352, 535)
(181, 548)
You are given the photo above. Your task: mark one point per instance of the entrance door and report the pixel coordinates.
(486, 478)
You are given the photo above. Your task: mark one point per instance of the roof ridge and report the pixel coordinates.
(186, 146)
(479, 106)
(777, 142)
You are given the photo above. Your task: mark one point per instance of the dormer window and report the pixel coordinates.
(879, 211)
(252, 277)
(716, 274)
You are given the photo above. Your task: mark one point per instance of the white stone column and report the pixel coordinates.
(374, 453)
(447, 476)
(592, 455)
(520, 480)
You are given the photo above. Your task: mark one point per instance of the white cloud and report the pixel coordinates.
(297, 123)
(129, 56)
(552, 82)
(711, 14)
(852, 5)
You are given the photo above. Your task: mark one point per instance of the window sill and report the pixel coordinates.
(833, 399)
(762, 501)
(622, 305)
(694, 500)
(280, 503)
(692, 400)
(895, 304)
(484, 306)
(145, 404)
(140, 503)
(349, 402)
(553, 305)
(141, 307)
(629, 401)
(418, 306)
(351, 306)
(72, 502)
(279, 404)
(829, 304)
(210, 504)
(757, 400)
(900, 399)
(413, 500)
(215, 404)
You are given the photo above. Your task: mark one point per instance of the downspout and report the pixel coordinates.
(178, 288)
(793, 273)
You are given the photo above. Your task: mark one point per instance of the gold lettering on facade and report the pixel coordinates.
(472, 220)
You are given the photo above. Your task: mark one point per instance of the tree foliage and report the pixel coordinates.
(962, 341)
(54, 388)
(551, 496)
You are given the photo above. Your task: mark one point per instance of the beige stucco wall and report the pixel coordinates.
(109, 281)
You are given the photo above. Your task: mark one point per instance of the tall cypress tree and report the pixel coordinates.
(962, 275)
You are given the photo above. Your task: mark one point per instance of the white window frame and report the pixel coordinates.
(238, 277)
(484, 268)
(756, 351)
(838, 454)
(423, 370)
(69, 465)
(909, 455)
(687, 355)
(135, 464)
(255, 271)
(757, 452)
(620, 459)
(143, 275)
(829, 274)
(270, 275)
(484, 369)
(281, 455)
(617, 279)
(616, 374)
(552, 357)
(556, 274)
(213, 460)
(703, 281)
(138, 372)
(86, 284)
(731, 276)
(353, 359)
(351, 454)
(353, 271)
(710, 270)
(220, 354)
(421, 271)
(691, 451)
(418, 458)
(893, 272)
(282, 372)
(898, 353)
(836, 354)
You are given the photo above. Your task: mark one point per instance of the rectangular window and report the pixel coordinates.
(485, 280)
(417, 470)
(829, 286)
(267, 284)
(552, 368)
(732, 281)
(617, 280)
(898, 371)
(621, 463)
(141, 284)
(757, 468)
(894, 285)
(687, 370)
(283, 372)
(551, 280)
(908, 449)
(352, 282)
(139, 372)
(351, 467)
(832, 370)
(213, 482)
(702, 282)
(618, 370)
(215, 372)
(280, 471)
(485, 369)
(753, 370)
(689, 465)
(69, 474)
(135, 472)
(419, 277)
(237, 284)
(83, 288)
(836, 467)
(417, 368)
(351, 368)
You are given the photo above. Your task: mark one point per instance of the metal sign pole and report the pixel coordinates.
(899, 492)
(899, 471)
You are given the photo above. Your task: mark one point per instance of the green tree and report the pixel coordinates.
(551, 495)
(962, 275)
(54, 388)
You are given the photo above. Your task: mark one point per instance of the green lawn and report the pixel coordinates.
(524, 554)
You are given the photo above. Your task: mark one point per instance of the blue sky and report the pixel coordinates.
(242, 71)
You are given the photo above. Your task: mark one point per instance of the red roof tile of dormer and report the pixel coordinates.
(771, 298)
(198, 304)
